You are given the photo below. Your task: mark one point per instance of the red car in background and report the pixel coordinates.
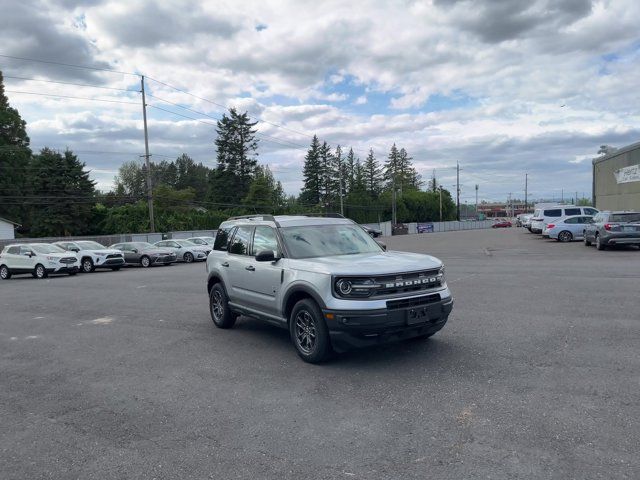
(502, 224)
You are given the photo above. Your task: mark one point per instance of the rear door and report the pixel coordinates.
(262, 279)
(238, 263)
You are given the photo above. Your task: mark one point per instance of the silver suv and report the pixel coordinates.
(613, 228)
(326, 281)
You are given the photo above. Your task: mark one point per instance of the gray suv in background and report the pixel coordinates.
(326, 281)
(613, 228)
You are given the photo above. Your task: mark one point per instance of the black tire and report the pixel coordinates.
(587, 243)
(115, 269)
(599, 244)
(221, 314)
(40, 272)
(145, 261)
(565, 236)
(188, 257)
(5, 273)
(309, 332)
(71, 274)
(87, 265)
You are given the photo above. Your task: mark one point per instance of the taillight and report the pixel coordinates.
(611, 226)
(551, 225)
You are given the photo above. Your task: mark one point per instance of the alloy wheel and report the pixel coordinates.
(4, 273)
(565, 236)
(305, 332)
(217, 306)
(87, 265)
(40, 271)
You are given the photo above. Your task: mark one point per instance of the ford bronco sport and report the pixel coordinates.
(326, 281)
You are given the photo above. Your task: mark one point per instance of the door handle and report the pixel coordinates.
(251, 268)
(225, 264)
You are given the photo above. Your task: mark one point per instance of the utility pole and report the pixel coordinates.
(526, 185)
(458, 191)
(476, 200)
(152, 223)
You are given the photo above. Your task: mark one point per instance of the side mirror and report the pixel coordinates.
(382, 245)
(75, 250)
(265, 256)
(179, 246)
(28, 254)
(134, 250)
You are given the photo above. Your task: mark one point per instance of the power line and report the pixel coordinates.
(72, 97)
(69, 83)
(84, 67)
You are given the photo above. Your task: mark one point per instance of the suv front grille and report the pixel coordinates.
(114, 255)
(413, 302)
(68, 260)
(407, 283)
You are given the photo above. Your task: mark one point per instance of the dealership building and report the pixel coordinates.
(616, 179)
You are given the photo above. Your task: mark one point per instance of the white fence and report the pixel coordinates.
(433, 227)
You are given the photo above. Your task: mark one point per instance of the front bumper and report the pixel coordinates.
(110, 262)
(65, 269)
(361, 328)
(164, 259)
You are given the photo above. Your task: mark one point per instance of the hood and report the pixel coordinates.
(382, 263)
(107, 251)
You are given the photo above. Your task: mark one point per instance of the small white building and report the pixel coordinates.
(7, 229)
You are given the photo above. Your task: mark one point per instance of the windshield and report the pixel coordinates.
(625, 217)
(326, 240)
(46, 248)
(185, 243)
(86, 244)
(142, 245)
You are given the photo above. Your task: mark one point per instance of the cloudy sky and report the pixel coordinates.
(505, 87)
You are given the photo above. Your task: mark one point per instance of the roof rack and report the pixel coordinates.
(258, 217)
(329, 215)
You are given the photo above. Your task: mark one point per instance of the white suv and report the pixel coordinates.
(38, 259)
(92, 255)
(552, 213)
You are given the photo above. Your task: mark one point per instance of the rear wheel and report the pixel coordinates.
(5, 273)
(565, 236)
(188, 257)
(599, 244)
(145, 261)
(309, 332)
(221, 314)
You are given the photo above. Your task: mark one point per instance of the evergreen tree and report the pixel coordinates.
(67, 194)
(391, 168)
(312, 174)
(349, 167)
(372, 175)
(328, 176)
(265, 193)
(236, 147)
(15, 157)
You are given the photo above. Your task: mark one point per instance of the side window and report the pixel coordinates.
(25, 250)
(240, 242)
(598, 218)
(557, 212)
(222, 239)
(14, 250)
(172, 244)
(264, 238)
(571, 221)
(572, 211)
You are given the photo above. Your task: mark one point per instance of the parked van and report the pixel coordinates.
(547, 214)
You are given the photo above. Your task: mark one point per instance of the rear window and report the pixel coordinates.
(572, 211)
(625, 217)
(14, 250)
(556, 212)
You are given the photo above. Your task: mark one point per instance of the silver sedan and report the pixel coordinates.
(185, 250)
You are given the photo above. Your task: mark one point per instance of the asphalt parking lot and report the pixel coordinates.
(536, 375)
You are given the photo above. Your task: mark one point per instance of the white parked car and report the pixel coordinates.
(92, 255)
(203, 241)
(185, 250)
(567, 229)
(553, 213)
(38, 259)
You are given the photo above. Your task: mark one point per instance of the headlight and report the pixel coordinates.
(100, 254)
(441, 275)
(355, 287)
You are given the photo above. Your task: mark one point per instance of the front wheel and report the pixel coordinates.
(188, 257)
(5, 273)
(87, 265)
(565, 236)
(221, 314)
(40, 272)
(587, 243)
(309, 332)
(145, 261)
